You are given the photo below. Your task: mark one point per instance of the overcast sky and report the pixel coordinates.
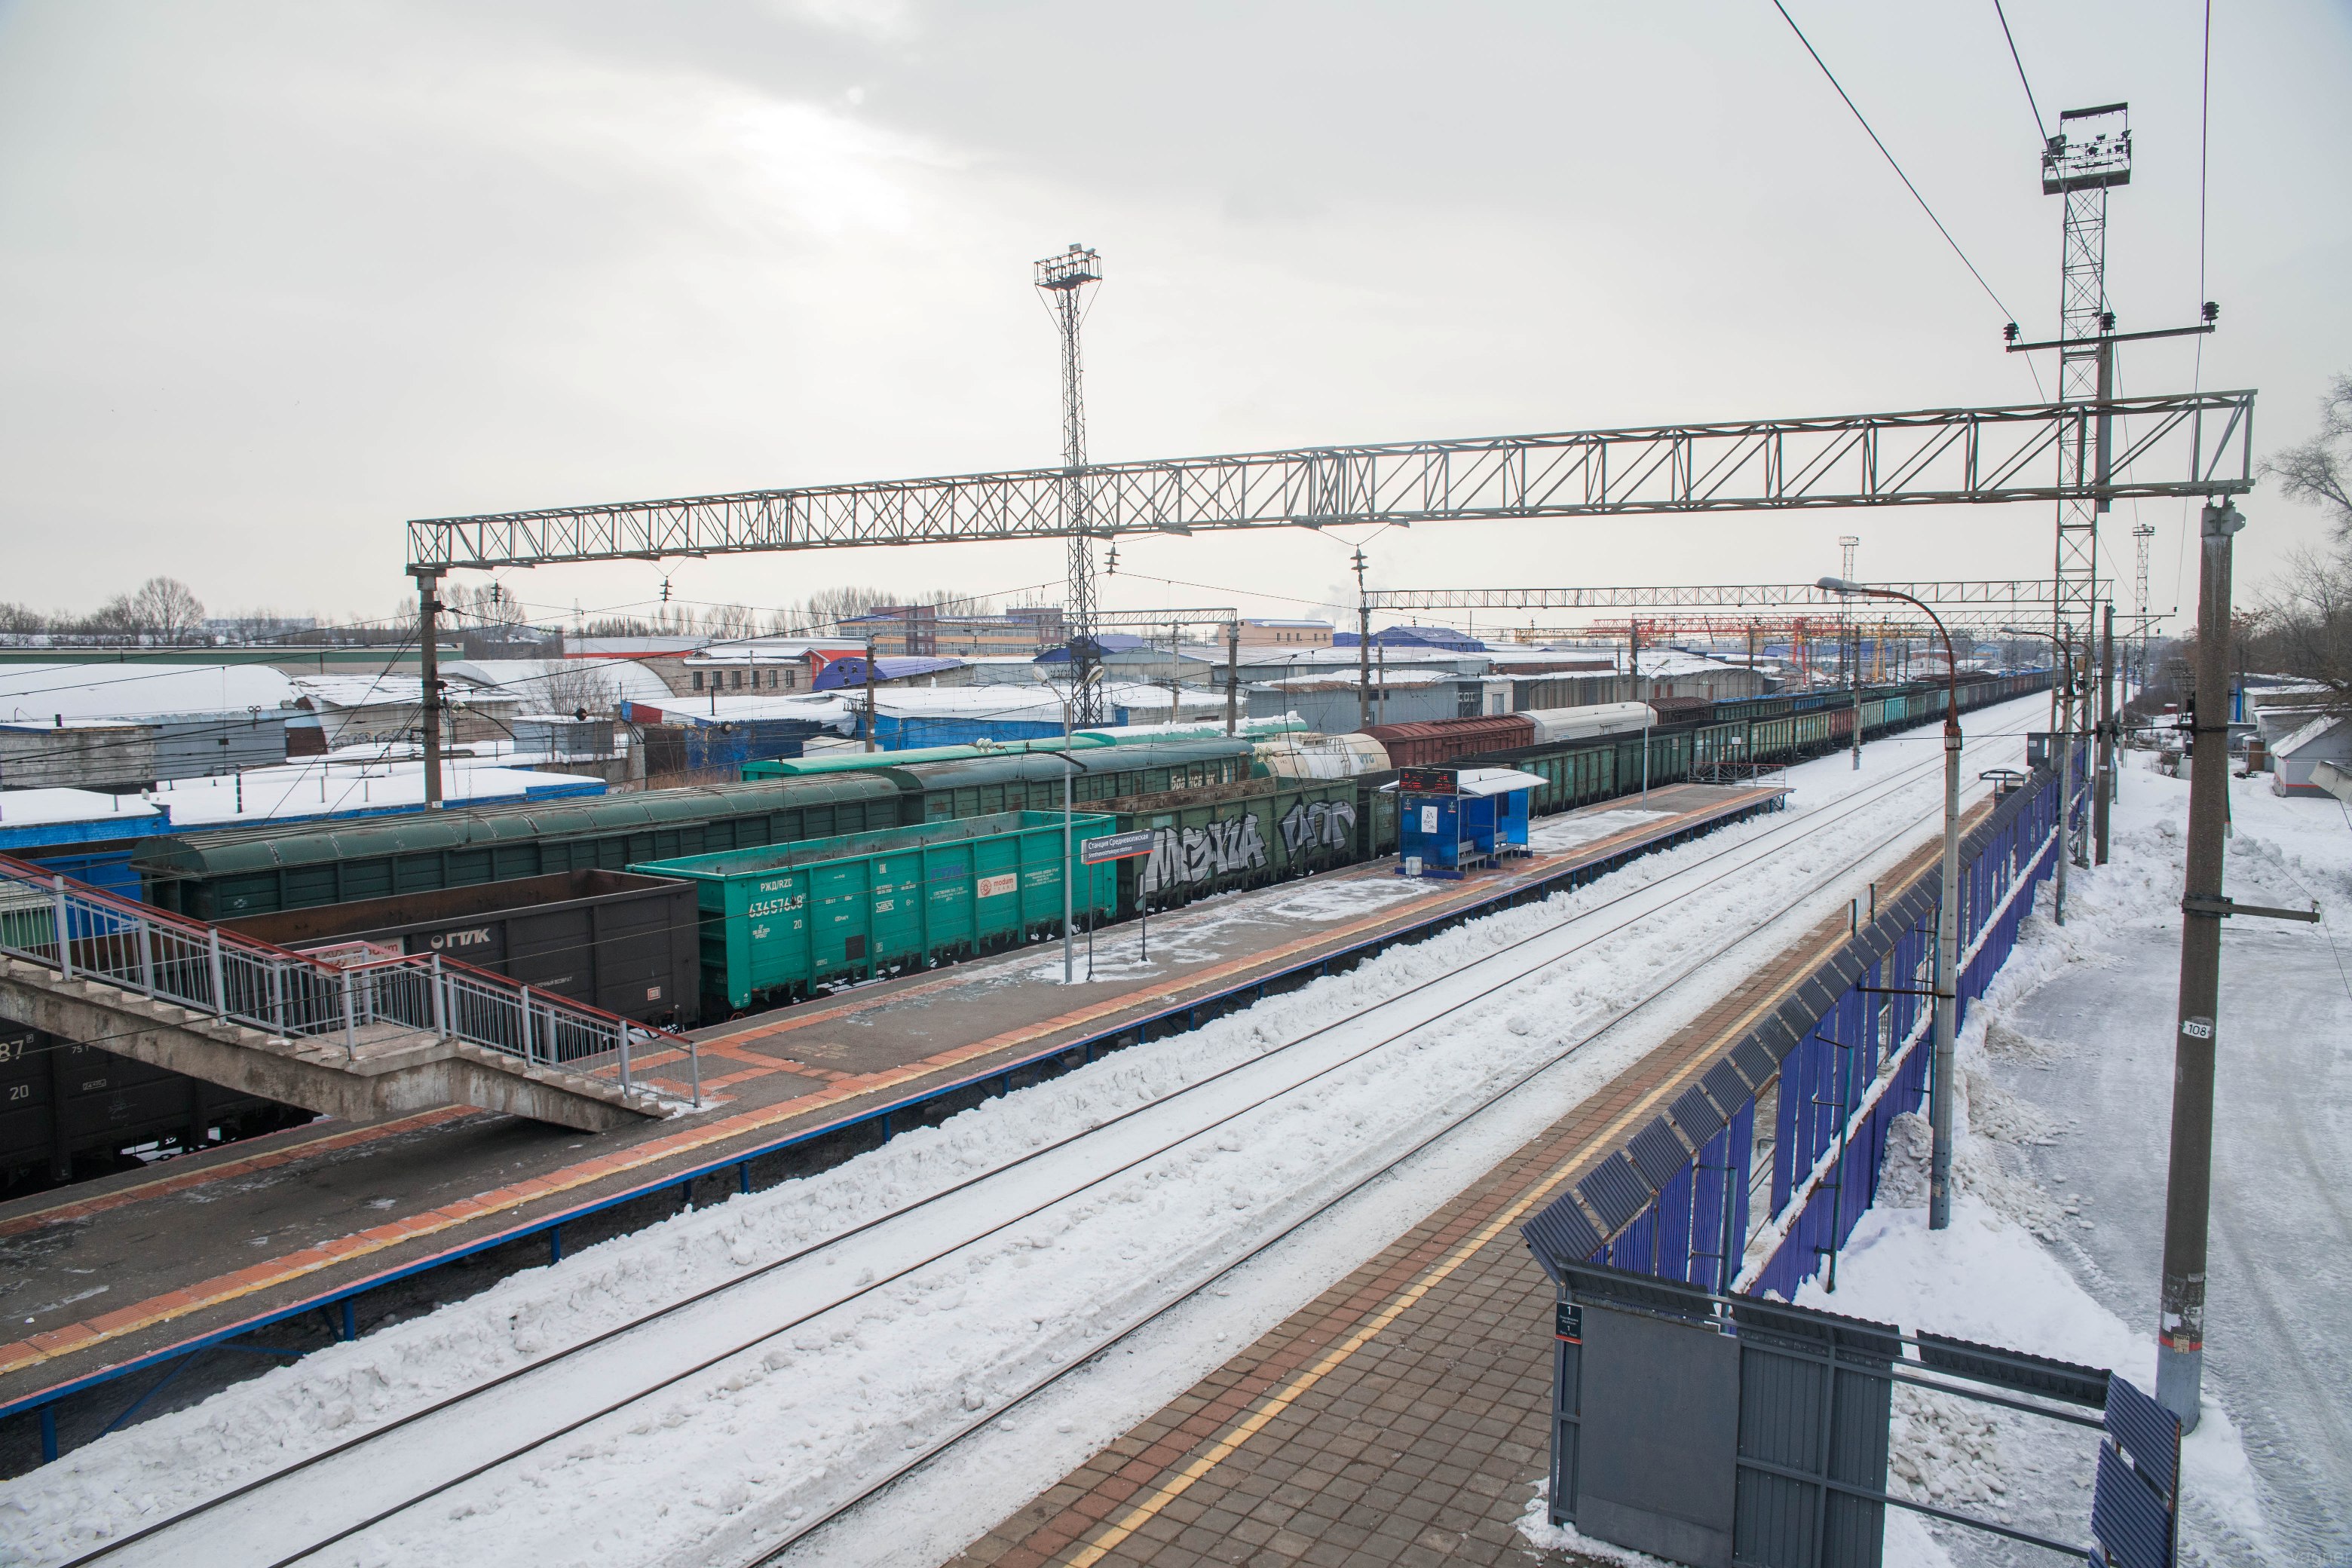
(278, 276)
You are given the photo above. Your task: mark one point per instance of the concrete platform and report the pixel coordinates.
(136, 1272)
(1401, 1418)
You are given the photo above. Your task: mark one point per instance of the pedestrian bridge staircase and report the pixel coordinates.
(357, 1031)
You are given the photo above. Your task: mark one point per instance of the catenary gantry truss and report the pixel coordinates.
(1998, 594)
(2197, 444)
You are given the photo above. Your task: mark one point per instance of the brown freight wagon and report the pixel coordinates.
(628, 943)
(1437, 741)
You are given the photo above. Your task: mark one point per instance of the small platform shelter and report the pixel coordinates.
(1452, 820)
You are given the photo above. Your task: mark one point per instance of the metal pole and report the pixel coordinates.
(440, 999)
(428, 609)
(1948, 959)
(2180, 1321)
(1364, 649)
(2065, 782)
(527, 1048)
(1857, 698)
(59, 913)
(351, 1029)
(624, 1053)
(1233, 681)
(869, 695)
(220, 979)
(1069, 953)
(2101, 802)
(694, 1066)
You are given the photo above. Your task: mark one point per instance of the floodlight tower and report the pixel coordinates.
(2090, 155)
(1062, 280)
(1847, 632)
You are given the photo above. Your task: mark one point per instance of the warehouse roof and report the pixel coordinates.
(33, 693)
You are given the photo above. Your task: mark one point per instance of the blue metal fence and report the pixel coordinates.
(1845, 1054)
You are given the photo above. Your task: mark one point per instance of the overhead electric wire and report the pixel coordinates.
(2038, 124)
(2007, 314)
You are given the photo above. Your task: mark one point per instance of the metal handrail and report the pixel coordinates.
(85, 932)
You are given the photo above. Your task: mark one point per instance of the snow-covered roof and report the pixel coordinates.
(24, 807)
(2316, 729)
(384, 688)
(531, 679)
(1332, 682)
(34, 692)
(1488, 781)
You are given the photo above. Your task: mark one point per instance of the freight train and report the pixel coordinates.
(1227, 812)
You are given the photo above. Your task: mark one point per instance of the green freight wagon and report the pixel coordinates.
(1249, 833)
(1017, 781)
(779, 921)
(848, 761)
(260, 870)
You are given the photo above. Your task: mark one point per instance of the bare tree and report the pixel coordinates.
(486, 606)
(2320, 470)
(577, 689)
(164, 609)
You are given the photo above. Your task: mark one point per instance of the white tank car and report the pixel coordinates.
(1555, 724)
(1322, 756)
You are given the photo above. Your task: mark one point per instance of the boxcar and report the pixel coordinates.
(1246, 833)
(1437, 741)
(260, 870)
(777, 923)
(622, 943)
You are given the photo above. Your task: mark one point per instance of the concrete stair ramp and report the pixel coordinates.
(356, 1032)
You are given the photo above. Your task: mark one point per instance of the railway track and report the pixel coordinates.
(295, 1513)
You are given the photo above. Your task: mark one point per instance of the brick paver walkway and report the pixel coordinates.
(1399, 1418)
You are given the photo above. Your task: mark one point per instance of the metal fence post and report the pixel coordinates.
(277, 996)
(65, 943)
(146, 957)
(220, 980)
(624, 1053)
(351, 1030)
(440, 1000)
(527, 1048)
(694, 1055)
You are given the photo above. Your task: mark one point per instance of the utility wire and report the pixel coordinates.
(2028, 86)
(2007, 314)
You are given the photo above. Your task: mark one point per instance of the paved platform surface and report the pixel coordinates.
(1401, 1418)
(102, 1273)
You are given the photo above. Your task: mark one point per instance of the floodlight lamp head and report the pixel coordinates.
(1837, 585)
(2091, 152)
(1073, 269)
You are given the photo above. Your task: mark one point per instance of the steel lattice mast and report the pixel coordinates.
(2090, 155)
(1062, 280)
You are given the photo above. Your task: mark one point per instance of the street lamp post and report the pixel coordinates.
(2065, 766)
(1947, 920)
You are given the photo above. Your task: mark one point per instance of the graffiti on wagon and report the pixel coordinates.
(1318, 824)
(1198, 854)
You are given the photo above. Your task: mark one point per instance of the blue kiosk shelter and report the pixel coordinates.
(1452, 820)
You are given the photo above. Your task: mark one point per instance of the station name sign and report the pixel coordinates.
(1427, 781)
(1117, 847)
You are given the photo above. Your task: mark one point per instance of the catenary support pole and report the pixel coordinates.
(2066, 710)
(428, 611)
(869, 695)
(1069, 904)
(1233, 677)
(2101, 802)
(2181, 1317)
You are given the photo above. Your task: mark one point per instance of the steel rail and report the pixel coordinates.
(771, 1554)
(1798, 829)
(1921, 458)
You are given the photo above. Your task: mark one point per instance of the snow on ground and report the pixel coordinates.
(2057, 1230)
(731, 1456)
